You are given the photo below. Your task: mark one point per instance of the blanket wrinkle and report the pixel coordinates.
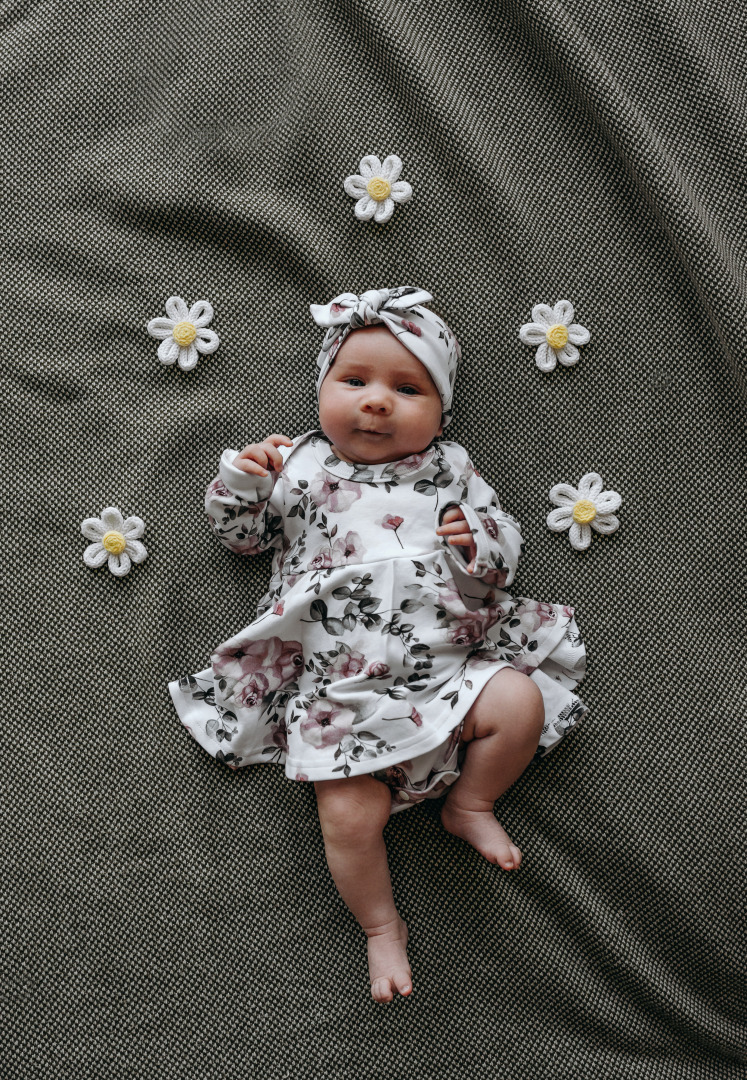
(50, 387)
(696, 238)
(614, 934)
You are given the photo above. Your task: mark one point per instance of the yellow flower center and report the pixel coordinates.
(184, 333)
(557, 336)
(584, 511)
(114, 542)
(379, 188)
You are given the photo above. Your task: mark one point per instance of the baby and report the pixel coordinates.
(387, 663)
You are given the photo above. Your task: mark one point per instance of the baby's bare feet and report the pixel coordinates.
(480, 829)
(388, 967)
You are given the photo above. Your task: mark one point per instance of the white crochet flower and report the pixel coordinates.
(183, 332)
(375, 188)
(115, 540)
(582, 507)
(555, 334)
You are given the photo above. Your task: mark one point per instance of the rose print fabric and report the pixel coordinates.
(372, 641)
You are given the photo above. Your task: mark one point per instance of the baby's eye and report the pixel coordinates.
(354, 381)
(407, 390)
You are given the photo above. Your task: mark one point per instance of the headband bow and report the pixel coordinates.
(427, 337)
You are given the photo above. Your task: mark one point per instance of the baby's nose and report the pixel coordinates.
(377, 403)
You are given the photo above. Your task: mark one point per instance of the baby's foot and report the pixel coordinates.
(480, 829)
(388, 967)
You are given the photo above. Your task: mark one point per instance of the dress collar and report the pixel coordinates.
(384, 472)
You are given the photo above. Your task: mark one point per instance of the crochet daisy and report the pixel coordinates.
(184, 332)
(555, 334)
(376, 188)
(115, 540)
(582, 507)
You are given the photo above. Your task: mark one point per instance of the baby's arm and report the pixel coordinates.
(239, 502)
(491, 537)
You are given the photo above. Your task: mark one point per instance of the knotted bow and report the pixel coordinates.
(364, 310)
(427, 337)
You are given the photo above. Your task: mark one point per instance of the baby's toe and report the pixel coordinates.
(381, 989)
(509, 857)
(404, 986)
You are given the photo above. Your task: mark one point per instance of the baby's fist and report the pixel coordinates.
(455, 529)
(257, 458)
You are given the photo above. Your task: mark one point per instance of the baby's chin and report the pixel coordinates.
(372, 450)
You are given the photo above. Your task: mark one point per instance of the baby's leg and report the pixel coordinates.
(353, 813)
(502, 730)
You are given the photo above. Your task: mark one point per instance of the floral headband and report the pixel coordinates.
(427, 337)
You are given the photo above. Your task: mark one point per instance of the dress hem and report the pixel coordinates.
(416, 746)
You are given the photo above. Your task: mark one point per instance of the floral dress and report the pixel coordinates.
(372, 641)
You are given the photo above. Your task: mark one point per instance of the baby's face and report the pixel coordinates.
(378, 402)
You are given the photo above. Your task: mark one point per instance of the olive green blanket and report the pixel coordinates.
(166, 917)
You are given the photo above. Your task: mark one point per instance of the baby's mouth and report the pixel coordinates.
(372, 431)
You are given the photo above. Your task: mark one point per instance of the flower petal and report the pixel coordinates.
(120, 564)
(161, 327)
(579, 536)
(563, 312)
(607, 502)
(176, 309)
(560, 519)
(365, 208)
(207, 341)
(605, 524)
(133, 527)
(401, 191)
(92, 528)
(355, 185)
(391, 168)
(168, 351)
(545, 358)
(564, 495)
(568, 355)
(543, 315)
(201, 313)
(370, 166)
(533, 333)
(577, 334)
(384, 211)
(589, 486)
(112, 519)
(95, 555)
(136, 550)
(188, 357)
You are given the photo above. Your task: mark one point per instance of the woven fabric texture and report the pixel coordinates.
(165, 917)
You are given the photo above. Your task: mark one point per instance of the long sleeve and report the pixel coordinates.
(497, 534)
(245, 511)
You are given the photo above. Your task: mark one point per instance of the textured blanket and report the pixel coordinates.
(166, 917)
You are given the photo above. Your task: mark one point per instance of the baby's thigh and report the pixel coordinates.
(353, 805)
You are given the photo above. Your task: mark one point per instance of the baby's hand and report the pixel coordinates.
(256, 456)
(453, 525)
